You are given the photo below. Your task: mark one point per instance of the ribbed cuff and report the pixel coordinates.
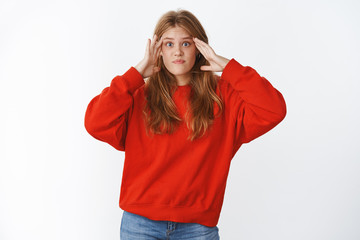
(133, 79)
(231, 67)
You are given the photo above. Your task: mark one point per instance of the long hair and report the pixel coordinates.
(160, 110)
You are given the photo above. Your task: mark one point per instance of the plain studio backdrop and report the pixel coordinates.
(299, 181)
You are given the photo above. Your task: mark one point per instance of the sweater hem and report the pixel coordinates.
(180, 214)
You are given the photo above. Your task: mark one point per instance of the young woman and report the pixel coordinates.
(180, 125)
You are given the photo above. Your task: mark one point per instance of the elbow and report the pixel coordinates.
(277, 113)
(91, 120)
(89, 124)
(283, 112)
(281, 109)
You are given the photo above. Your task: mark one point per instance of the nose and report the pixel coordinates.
(178, 50)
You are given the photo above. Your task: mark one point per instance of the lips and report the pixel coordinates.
(179, 61)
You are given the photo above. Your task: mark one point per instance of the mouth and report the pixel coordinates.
(178, 61)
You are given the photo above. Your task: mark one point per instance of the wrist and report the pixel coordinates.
(225, 61)
(139, 67)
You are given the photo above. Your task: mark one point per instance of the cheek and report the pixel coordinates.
(165, 54)
(166, 58)
(192, 51)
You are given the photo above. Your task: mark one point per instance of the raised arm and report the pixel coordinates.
(254, 104)
(107, 114)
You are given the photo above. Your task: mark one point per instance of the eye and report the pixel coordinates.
(188, 44)
(167, 44)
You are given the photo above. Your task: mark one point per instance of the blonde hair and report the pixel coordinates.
(160, 111)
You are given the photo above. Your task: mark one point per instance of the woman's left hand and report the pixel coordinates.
(217, 63)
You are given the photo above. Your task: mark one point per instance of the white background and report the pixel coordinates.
(299, 181)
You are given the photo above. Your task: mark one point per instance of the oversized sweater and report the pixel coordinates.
(166, 176)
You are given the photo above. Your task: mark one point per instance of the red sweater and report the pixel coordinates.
(167, 177)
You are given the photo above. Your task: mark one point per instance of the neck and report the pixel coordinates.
(183, 80)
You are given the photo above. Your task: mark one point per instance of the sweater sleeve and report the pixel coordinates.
(107, 114)
(254, 104)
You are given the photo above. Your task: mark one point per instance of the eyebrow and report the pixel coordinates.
(173, 38)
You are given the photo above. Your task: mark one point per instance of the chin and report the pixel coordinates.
(182, 71)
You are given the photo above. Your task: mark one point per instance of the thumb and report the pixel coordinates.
(206, 68)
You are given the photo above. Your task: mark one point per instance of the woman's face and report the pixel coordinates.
(178, 52)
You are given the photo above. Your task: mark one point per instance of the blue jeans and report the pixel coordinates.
(136, 227)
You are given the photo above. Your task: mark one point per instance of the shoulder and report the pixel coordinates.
(139, 96)
(139, 91)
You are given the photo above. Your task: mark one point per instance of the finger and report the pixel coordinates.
(200, 42)
(154, 39)
(206, 51)
(197, 40)
(156, 54)
(204, 45)
(153, 44)
(202, 50)
(158, 44)
(201, 46)
(158, 41)
(147, 50)
(198, 46)
(158, 47)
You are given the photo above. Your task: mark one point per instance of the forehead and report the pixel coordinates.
(176, 33)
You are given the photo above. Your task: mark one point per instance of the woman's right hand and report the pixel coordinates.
(146, 67)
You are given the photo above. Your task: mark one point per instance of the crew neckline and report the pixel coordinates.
(182, 86)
